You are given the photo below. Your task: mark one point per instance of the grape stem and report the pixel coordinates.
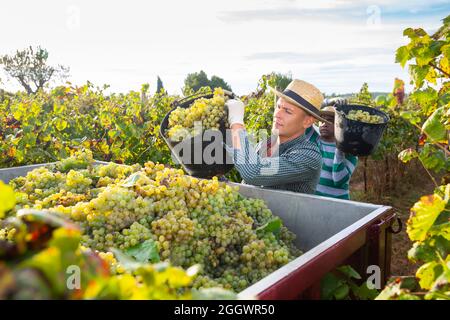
(429, 173)
(439, 69)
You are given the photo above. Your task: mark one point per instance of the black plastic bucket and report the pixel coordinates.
(356, 137)
(194, 163)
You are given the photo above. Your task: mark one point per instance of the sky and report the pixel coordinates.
(335, 45)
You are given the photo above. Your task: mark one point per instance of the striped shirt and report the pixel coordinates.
(295, 167)
(337, 168)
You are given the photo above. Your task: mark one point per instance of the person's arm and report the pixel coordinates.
(299, 165)
(343, 167)
(312, 134)
(236, 128)
(295, 166)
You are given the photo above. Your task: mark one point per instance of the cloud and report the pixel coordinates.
(304, 57)
(129, 43)
(284, 14)
(347, 11)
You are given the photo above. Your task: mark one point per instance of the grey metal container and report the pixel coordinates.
(330, 232)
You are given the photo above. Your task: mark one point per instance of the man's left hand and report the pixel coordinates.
(235, 111)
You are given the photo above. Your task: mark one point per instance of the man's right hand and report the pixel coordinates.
(235, 111)
(334, 102)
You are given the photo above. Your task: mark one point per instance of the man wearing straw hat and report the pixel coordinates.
(288, 161)
(337, 167)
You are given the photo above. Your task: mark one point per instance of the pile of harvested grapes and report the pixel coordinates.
(364, 116)
(155, 213)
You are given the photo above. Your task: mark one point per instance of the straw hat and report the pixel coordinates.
(328, 110)
(303, 95)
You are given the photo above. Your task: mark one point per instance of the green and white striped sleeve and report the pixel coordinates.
(338, 171)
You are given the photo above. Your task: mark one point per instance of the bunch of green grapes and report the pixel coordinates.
(8, 234)
(231, 256)
(174, 226)
(39, 183)
(364, 116)
(204, 281)
(102, 239)
(116, 208)
(63, 198)
(81, 159)
(180, 254)
(229, 230)
(202, 252)
(207, 112)
(233, 279)
(287, 237)
(256, 209)
(78, 181)
(115, 171)
(112, 173)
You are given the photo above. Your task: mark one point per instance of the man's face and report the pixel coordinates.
(290, 120)
(327, 130)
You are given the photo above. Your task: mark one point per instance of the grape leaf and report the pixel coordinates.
(174, 276)
(146, 251)
(428, 273)
(381, 100)
(432, 158)
(342, 292)
(402, 55)
(7, 198)
(328, 286)
(131, 180)
(423, 215)
(364, 293)
(65, 239)
(442, 283)
(433, 126)
(418, 74)
(407, 155)
(436, 47)
(45, 217)
(446, 20)
(442, 229)
(273, 226)
(422, 251)
(399, 289)
(126, 261)
(60, 124)
(414, 33)
(349, 272)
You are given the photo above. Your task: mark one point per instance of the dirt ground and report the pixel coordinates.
(402, 201)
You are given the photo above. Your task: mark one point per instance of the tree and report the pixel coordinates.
(280, 80)
(197, 80)
(217, 82)
(159, 85)
(30, 68)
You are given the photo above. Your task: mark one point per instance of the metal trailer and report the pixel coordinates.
(330, 232)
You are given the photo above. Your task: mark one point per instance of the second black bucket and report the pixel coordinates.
(356, 137)
(189, 153)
